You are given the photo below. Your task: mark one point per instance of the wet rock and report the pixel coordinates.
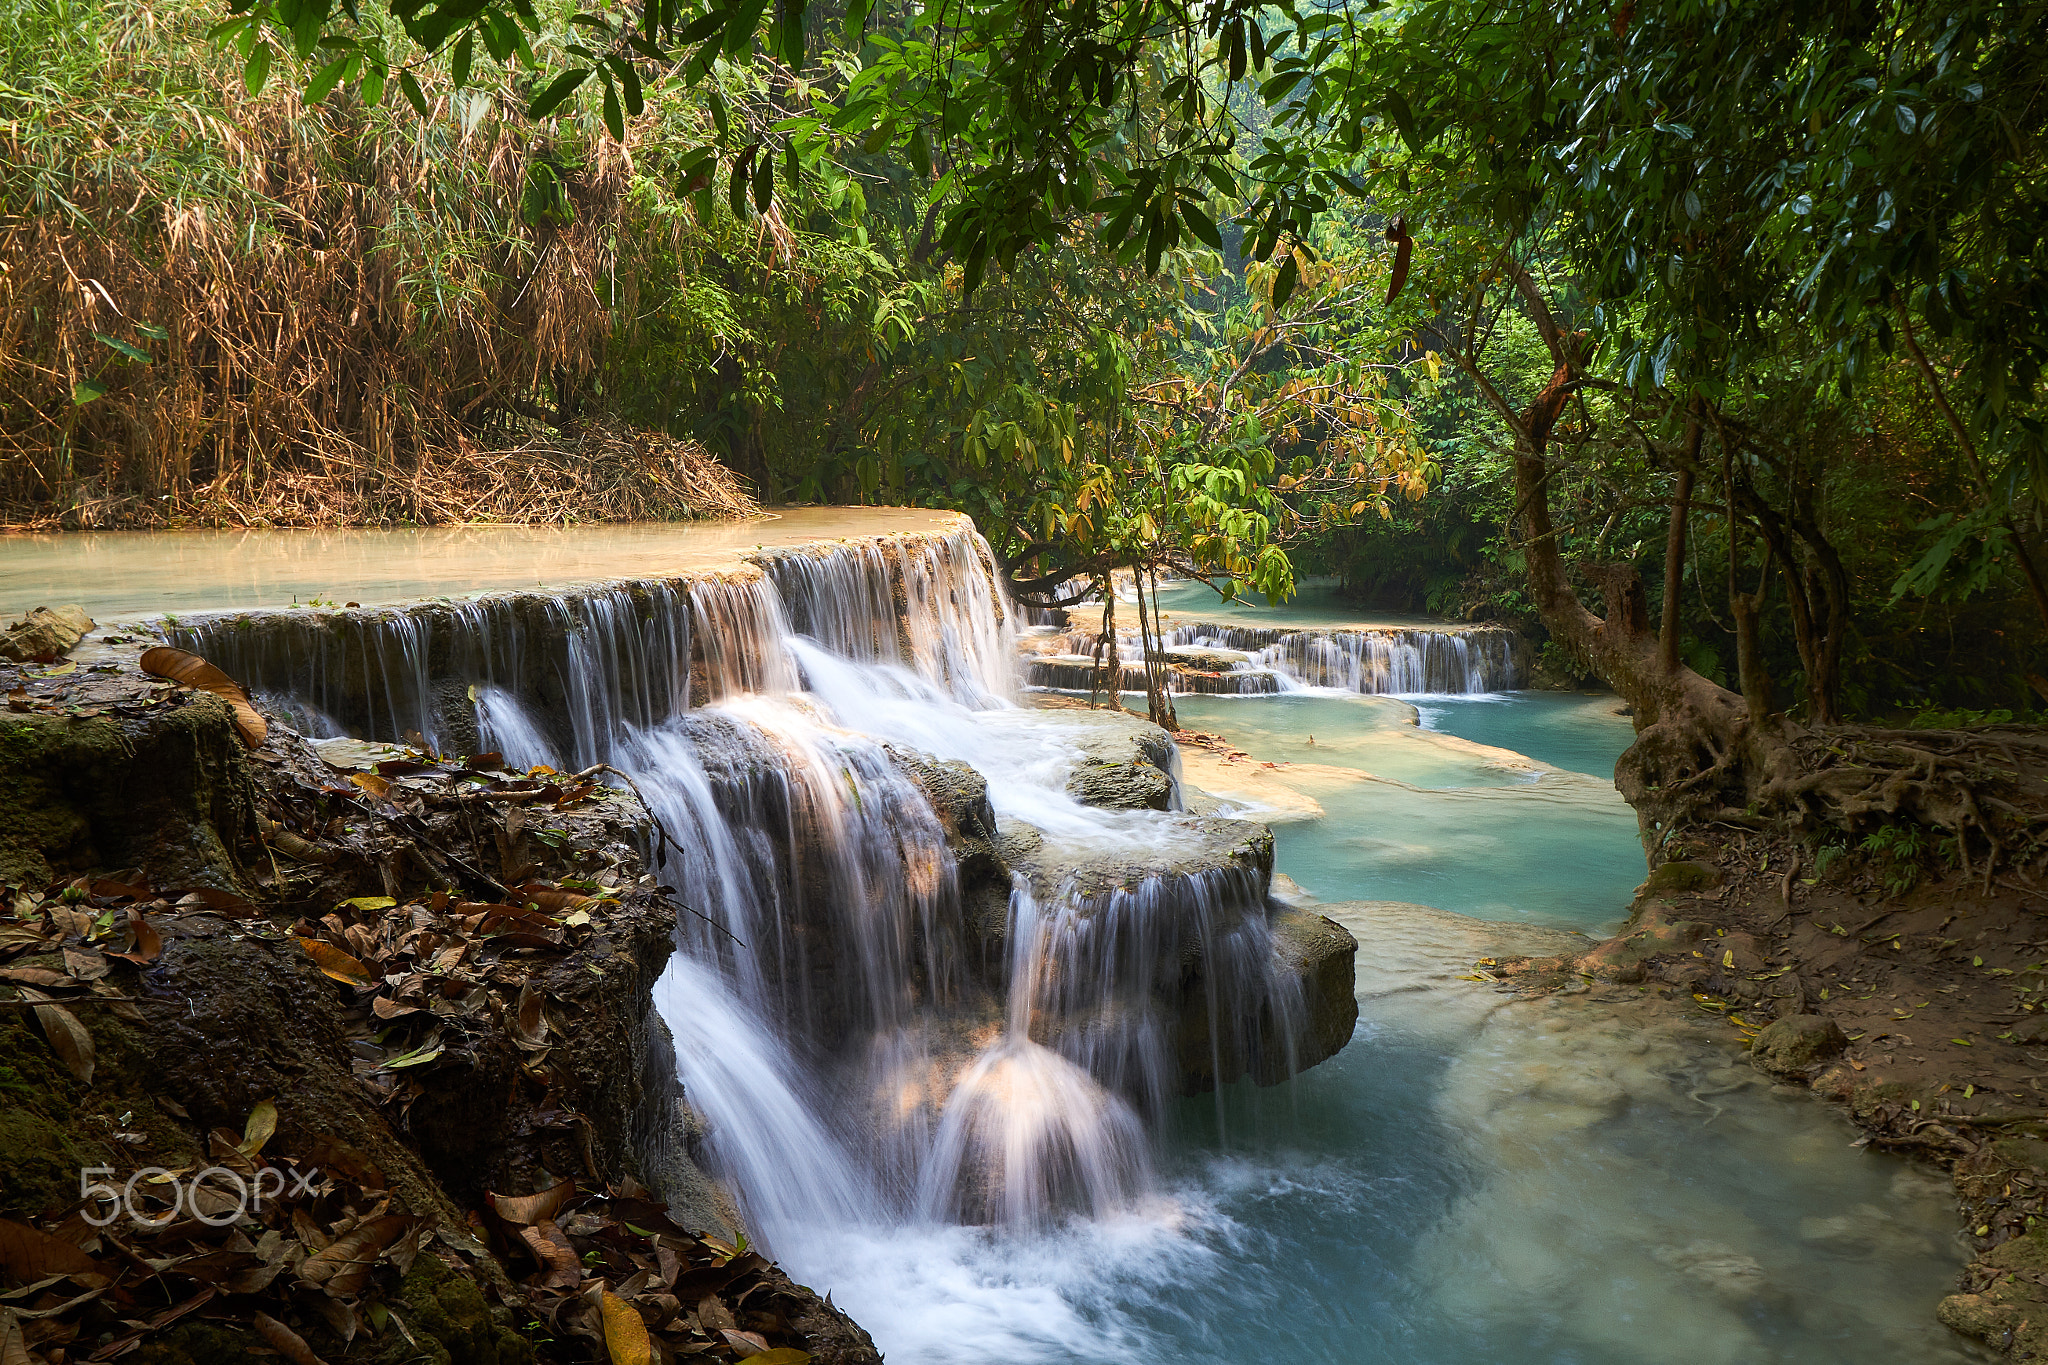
(168, 792)
(1322, 955)
(1723, 1270)
(1121, 786)
(1187, 849)
(1789, 1047)
(44, 635)
(1626, 956)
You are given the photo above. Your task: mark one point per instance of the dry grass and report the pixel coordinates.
(609, 472)
(347, 315)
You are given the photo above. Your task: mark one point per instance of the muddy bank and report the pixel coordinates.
(406, 1001)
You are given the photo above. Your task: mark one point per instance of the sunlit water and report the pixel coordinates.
(1429, 816)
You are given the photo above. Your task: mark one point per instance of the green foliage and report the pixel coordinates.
(1897, 851)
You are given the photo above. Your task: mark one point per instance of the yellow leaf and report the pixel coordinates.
(371, 783)
(334, 963)
(625, 1333)
(368, 903)
(1728, 958)
(262, 1123)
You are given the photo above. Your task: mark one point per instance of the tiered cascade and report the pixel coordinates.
(1222, 658)
(920, 981)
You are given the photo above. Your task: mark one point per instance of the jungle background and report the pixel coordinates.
(247, 280)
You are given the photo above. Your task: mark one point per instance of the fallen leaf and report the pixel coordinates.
(69, 1037)
(334, 963)
(189, 670)
(85, 962)
(530, 1028)
(17, 700)
(217, 900)
(384, 1007)
(532, 1208)
(550, 1247)
(284, 1340)
(371, 783)
(371, 904)
(782, 1355)
(625, 1333)
(149, 944)
(28, 1254)
(750, 1345)
(13, 1350)
(38, 976)
(344, 1265)
(262, 1123)
(714, 1315)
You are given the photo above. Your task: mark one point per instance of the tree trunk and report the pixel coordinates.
(1158, 701)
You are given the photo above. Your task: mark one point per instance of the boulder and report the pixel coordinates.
(1681, 878)
(1121, 786)
(44, 635)
(1789, 1047)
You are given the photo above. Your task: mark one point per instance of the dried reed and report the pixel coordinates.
(222, 310)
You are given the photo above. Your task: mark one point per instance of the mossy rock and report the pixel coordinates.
(453, 1324)
(1681, 879)
(168, 792)
(1121, 786)
(1791, 1046)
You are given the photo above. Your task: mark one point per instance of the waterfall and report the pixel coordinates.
(1213, 657)
(862, 1046)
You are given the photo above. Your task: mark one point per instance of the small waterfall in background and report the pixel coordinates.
(1236, 660)
(861, 1054)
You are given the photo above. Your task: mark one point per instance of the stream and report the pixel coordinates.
(1006, 1177)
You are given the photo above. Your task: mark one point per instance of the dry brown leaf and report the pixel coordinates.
(384, 1007)
(149, 944)
(344, 1266)
(746, 1343)
(625, 1333)
(334, 963)
(37, 976)
(713, 1315)
(531, 1208)
(782, 1355)
(13, 1350)
(284, 1340)
(28, 1255)
(85, 962)
(550, 1247)
(189, 670)
(308, 1231)
(530, 1026)
(69, 1037)
(553, 900)
(217, 900)
(340, 1318)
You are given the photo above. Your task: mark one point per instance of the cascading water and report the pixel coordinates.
(945, 1107)
(862, 1053)
(1236, 660)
